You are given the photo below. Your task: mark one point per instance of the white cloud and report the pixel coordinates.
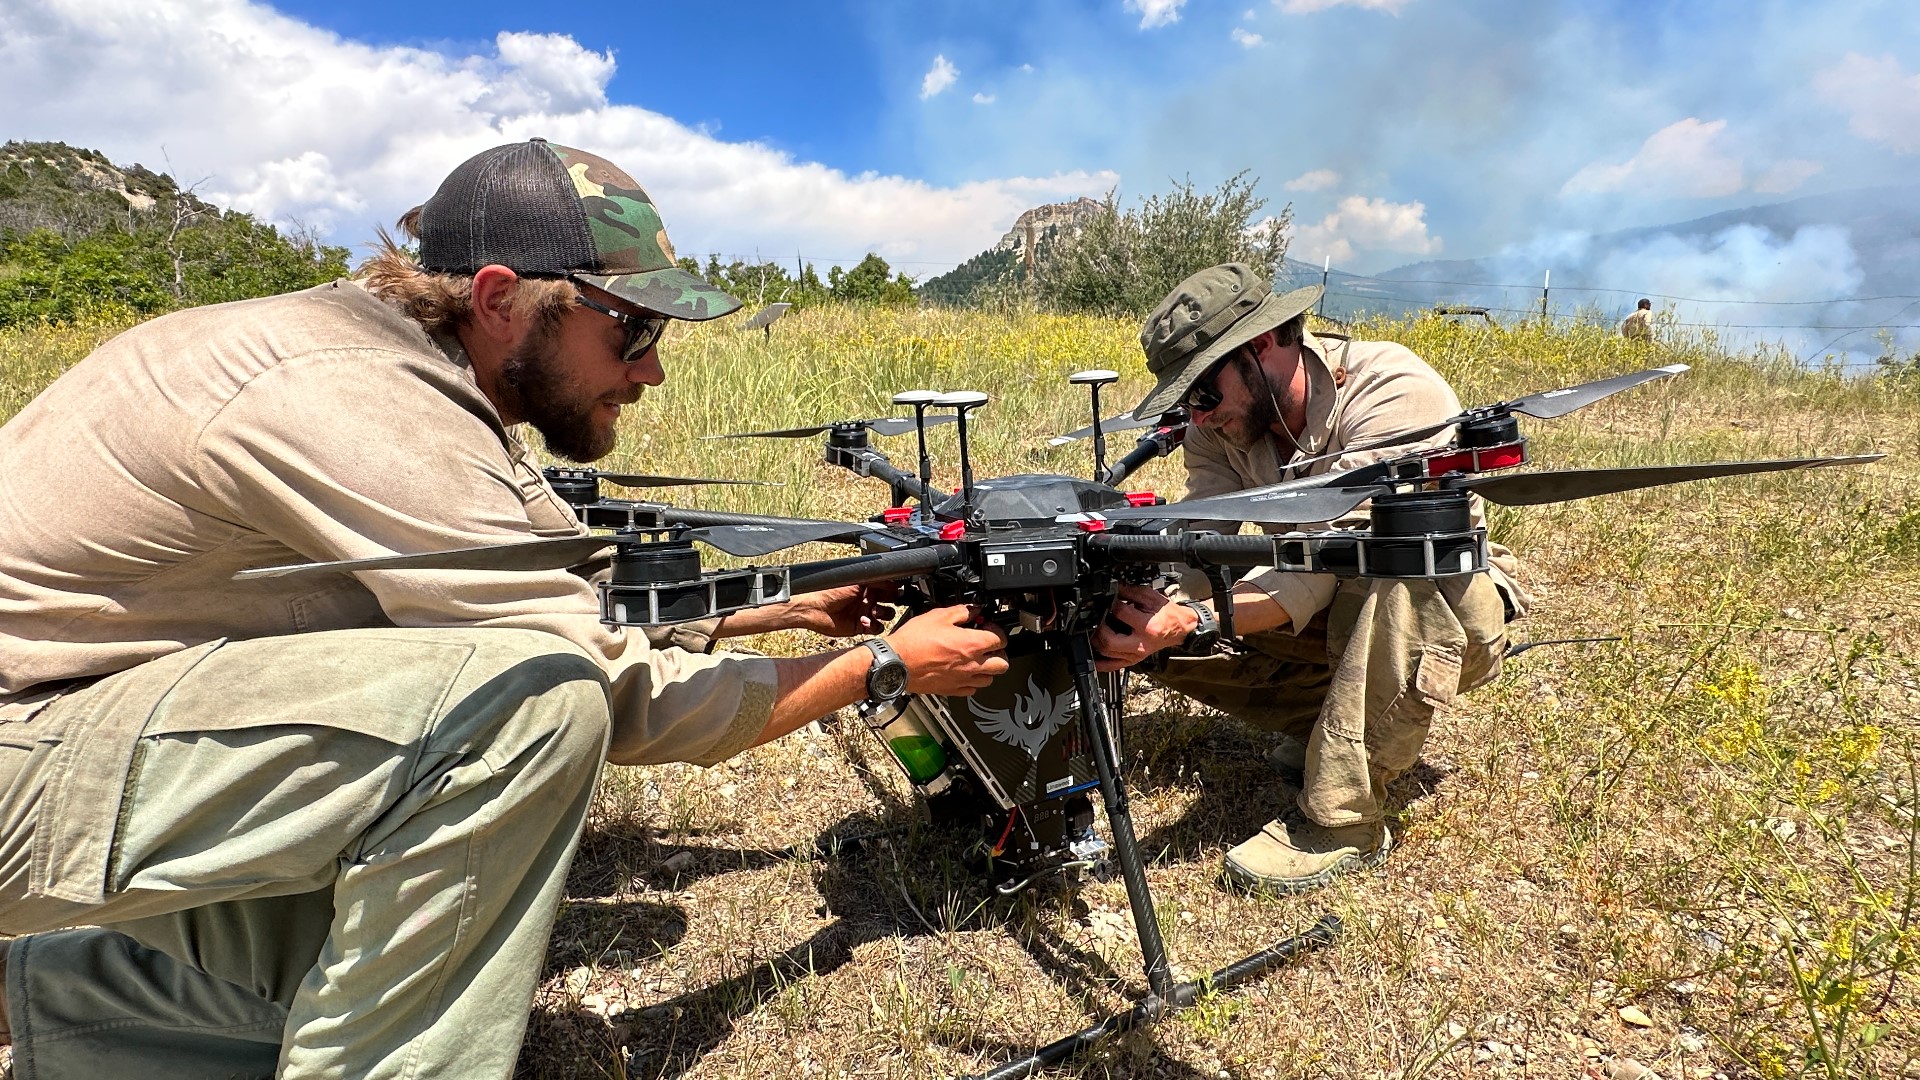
(938, 77)
(1155, 12)
(295, 123)
(1785, 176)
(1881, 101)
(1246, 38)
(1308, 7)
(1316, 180)
(1363, 224)
(1685, 158)
(983, 99)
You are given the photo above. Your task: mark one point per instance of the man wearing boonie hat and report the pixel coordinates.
(1349, 672)
(320, 826)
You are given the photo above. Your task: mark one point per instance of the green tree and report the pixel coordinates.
(871, 281)
(1125, 262)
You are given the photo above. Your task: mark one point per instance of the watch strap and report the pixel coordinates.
(1205, 636)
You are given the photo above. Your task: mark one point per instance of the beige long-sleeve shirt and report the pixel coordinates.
(1383, 390)
(318, 425)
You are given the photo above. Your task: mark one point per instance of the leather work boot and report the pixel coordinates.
(1292, 856)
(1288, 760)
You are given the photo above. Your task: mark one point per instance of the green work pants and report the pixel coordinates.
(1362, 684)
(333, 854)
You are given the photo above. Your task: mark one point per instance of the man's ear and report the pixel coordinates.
(492, 313)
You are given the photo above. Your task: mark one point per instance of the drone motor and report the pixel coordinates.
(660, 582)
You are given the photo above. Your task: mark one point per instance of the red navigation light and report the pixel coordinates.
(897, 515)
(1144, 498)
(953, 530)
(1092, 524)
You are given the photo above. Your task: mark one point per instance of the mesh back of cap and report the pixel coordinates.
(512, 205)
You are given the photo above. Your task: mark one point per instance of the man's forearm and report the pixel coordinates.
(1253, 611)
(810, 687)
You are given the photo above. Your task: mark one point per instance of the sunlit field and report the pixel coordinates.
(1691, 851)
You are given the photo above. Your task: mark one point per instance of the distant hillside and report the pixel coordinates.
(82, 237)
(1006, 262)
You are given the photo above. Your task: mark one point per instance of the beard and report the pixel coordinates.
(566, 416)
(1258, 419)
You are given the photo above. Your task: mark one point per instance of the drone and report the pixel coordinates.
(1043, 556)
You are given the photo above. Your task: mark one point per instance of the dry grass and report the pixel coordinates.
(1709, 827)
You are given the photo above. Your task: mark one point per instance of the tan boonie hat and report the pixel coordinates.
(1205, 318)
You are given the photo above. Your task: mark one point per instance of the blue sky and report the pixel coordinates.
(1399, 130)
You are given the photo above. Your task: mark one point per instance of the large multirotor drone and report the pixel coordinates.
(1043, 556)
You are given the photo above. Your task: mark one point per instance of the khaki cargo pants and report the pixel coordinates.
(334, 854)
(1361, 685)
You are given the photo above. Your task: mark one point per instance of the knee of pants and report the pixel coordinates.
(548, 678)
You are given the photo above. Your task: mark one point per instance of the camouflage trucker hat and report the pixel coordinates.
(1205, 318)
(547, 210)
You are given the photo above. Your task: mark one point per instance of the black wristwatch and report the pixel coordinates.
(887, 678)
(1205, 637)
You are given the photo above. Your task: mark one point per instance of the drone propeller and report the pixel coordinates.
(1533, 489)
(1310, 504)
(1108, 427)
(747, 541)
(880, 425)
(1546, 405)
(646, 480)
(1264, 508)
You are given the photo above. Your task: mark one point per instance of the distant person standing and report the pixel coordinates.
(1639, 325)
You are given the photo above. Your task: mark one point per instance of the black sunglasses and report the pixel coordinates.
(1204, 394)
(643, 331)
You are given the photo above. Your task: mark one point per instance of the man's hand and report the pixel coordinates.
(947, 654)
(1152, 623)
(851, 610)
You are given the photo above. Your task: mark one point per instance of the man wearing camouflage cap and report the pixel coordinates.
(1351, 673)
(321, 826)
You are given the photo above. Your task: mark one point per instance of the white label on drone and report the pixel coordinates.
(1466, 562)
(996, 560)
(1056, 785)
(753, 528)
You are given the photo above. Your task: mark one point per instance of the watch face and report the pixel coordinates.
(887, 681)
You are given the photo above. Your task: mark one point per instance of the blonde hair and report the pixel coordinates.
(442, 302)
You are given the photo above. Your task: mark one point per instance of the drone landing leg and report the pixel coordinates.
(1164, 995)
(1182, 995)
(1153, 951)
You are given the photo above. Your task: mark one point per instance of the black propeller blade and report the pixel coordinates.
(1555, 403)
(1533, 489)
(647, 480)
(1545, 405)
(747, 541)
(554, 554)
(1266, 508)
(879, 425)
(1107, 427)
(1311, 500)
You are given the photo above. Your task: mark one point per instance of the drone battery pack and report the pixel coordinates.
(1028, 564)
